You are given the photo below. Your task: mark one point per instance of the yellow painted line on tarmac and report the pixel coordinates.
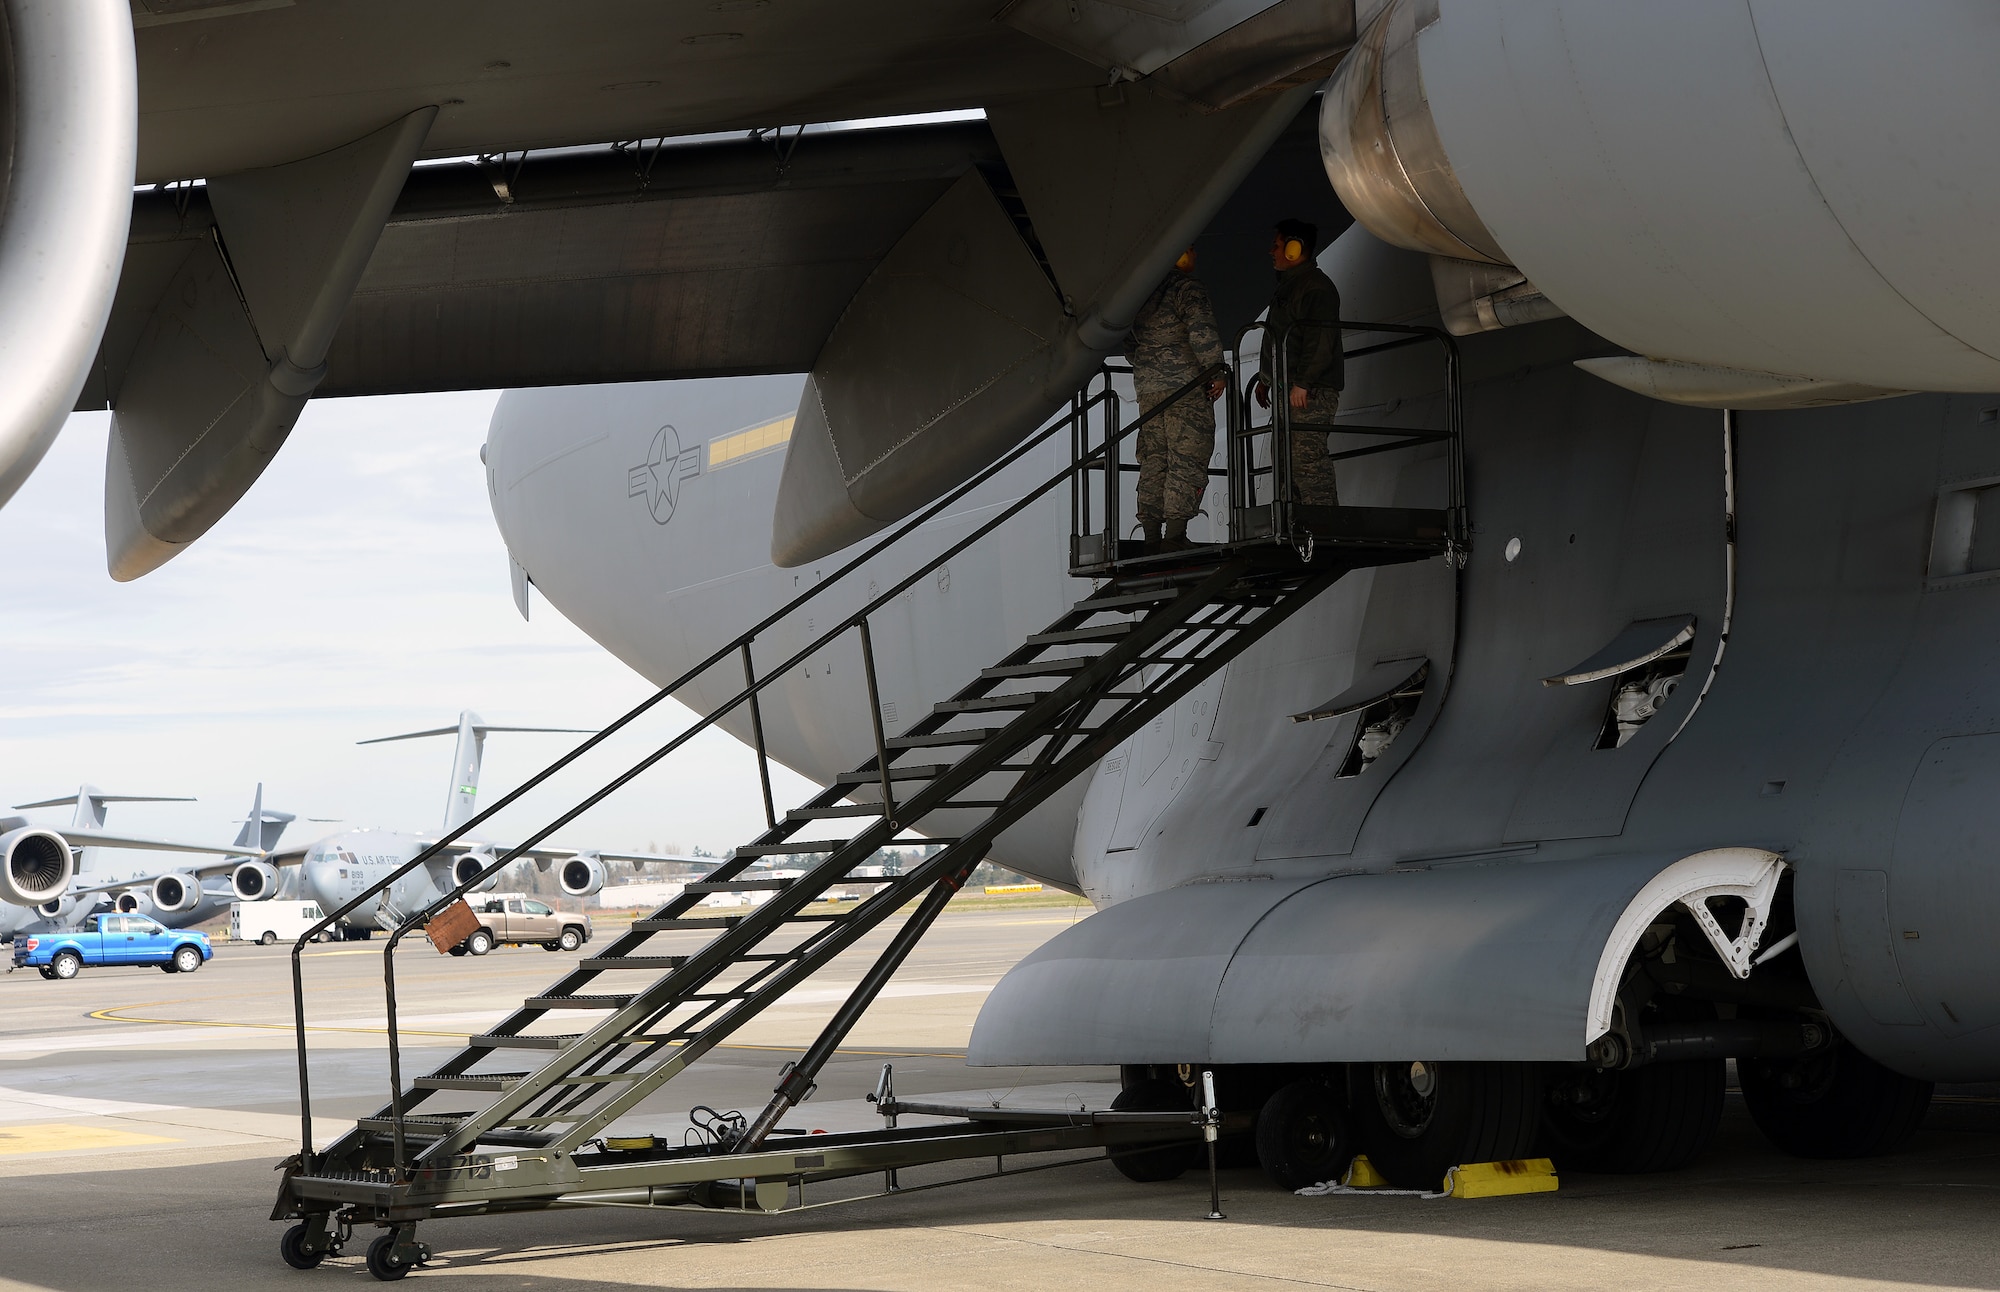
(116, 1014)
(61, 1137)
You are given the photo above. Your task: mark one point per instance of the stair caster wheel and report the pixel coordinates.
(293, 1248)
(390, 1258)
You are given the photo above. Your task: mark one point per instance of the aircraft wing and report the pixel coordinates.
(103, 839)
(564, 854)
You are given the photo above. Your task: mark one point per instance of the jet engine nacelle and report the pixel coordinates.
(134, 901)
(1774, 206)
(71, 139)
(471, 864)
(581, 875)
(35, 866)
(176, 892)
(254, 881)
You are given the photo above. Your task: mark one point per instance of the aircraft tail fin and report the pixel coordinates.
(262, 827)
(91, 802)
(472, 730)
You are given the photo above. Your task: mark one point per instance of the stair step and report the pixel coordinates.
(991, 703)
(914, 772)
(495, 1041)
(633, 962)
(1124, 599)
(1069, 636)
(474, 1081)
(427, 1125)
(578, 1002)
(931, 739)
(739, 886)
(671, 925)
(833, 810)
(792, 847)
(1040, 668)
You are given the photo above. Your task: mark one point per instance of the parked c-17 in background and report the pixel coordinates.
(333, 870)
(56, 876)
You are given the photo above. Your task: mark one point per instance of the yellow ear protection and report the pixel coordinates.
(1295, 251)
(1186, 261)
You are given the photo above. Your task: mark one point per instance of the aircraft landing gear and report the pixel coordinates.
(1151, 1165)
(1415, 1121)
(1654, 1118)
(1834, 1104)
(1303, 1136)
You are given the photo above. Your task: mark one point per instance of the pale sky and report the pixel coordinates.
(359, 590)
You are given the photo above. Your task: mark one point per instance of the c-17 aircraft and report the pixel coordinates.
(332, 870)
(59, 875)
(1679, 749)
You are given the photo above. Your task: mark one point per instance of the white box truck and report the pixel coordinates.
(273, 921)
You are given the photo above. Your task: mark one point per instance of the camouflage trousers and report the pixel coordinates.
(1173, 452)
(1312, 461)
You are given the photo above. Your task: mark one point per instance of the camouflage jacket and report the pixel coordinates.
(1305, 297)
(1174, 335)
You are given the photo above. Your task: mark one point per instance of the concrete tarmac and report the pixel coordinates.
(140, 1115)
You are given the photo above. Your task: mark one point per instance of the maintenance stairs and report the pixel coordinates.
(487, 1131)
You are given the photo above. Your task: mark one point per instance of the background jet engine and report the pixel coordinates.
(471, 864)
(35, 866)
(70, 142)
(582, 875)
(254, 881)
(179, 891)
(1771, 205)
(134, 901)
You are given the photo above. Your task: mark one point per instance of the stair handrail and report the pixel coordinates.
(1060, 421)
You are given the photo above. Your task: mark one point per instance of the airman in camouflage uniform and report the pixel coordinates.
(1173, 339)
(1305, 310)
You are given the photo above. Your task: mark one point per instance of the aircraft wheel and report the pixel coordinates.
(479, 943)
(1654, 1118)
(1415, 1121)
(269, 939)
(1303, 1136)
(1838, 1103)
(186, 960)
(66, 965)
(570, 940)
(293, 1248)
(1152, 1165)
(382, 1262)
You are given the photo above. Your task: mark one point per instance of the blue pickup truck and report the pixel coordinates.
(112, 940)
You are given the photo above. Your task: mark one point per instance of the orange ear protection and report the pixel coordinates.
(1295, 251)
(1186, 261)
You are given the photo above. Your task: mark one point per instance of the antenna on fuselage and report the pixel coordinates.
(460, 799)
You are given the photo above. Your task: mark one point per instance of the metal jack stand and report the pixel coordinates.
(1211, 1131)
(884, 1098)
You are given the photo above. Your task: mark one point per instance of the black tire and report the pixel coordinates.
(168, 967)
(571, 939)
(458, 950)
(46, 972)
(269, 939)
(1417, 1121)
(186, 959)
(382, 1262)
(479, 943)
(1154, 1165)
(1656, 1118)
(293, 1248)
(1836, 1104)
(66, 965)
(1303, 1135)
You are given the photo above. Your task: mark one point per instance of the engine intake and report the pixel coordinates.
(469, 865)
(35, 866)
(254, 881)
(176, 892)
(582, 875)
